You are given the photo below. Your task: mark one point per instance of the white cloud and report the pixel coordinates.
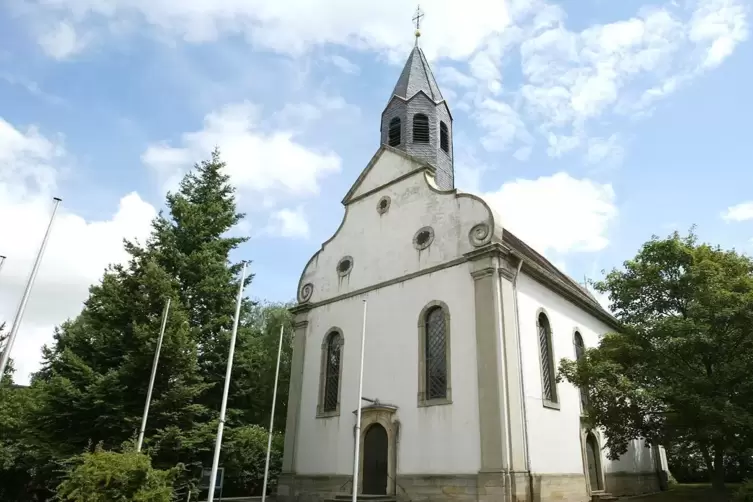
(289, 223)
(345, 65)
(574, 80)
(61, 41)
(502, 125)
(299, 116)
(605, 150)
(78, 250)
(557, 213)
(739, 212)
(717, 27)
(454, 78)
(258, 161)
(296, 26)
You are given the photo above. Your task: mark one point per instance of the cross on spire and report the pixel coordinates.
(417, 19)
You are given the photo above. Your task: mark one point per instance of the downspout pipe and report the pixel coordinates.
(520, 370)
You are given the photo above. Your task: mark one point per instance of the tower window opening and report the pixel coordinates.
(444, 137)
(420, 128)
(394, 132)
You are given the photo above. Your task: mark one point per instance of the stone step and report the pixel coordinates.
(362, 499)
(342, 497)
(602, 496)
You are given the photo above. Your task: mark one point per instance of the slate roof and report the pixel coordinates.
(417, 76)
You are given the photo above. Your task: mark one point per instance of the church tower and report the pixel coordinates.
(417, 119)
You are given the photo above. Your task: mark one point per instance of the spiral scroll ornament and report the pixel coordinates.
(480, 234)
(306, 291)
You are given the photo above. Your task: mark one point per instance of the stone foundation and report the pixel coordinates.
(625, 484)
(482, 487)
(559, 487)
(310, 488)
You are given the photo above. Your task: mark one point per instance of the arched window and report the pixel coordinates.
(444, 137)
(580, 350)
(434, 364)
(394, 132)
(329, 400)
(548, 384)
(420, 128)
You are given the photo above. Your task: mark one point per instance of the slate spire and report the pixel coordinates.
(417, 76)
(417, 119)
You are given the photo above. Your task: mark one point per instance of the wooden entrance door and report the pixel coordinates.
(594, 465)
(375, 461)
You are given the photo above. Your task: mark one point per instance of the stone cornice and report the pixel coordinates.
(390, 282)
(484, 272)
(491, 249)
(511, 251)
(301, 308)
(300, 325)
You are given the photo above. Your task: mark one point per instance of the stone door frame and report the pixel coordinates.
(584, 433)
(384, 415)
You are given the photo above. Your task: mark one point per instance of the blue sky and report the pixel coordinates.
(590, 125)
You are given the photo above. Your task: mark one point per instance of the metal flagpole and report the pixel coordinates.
(154, 373)
(25, 297)
(223, 408)
(2, 261)
(272, 419)
(356, 455)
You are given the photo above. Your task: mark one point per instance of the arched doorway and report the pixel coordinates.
(594, 462)
(375, 460)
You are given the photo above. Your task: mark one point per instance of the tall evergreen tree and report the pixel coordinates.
(194, 247)
(93, 383)
(95, 376)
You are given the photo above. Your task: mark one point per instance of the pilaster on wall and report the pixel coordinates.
(513, 366)
(296, 387)
(491, 396)
(500, 393)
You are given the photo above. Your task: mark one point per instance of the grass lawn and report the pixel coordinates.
(687, 493)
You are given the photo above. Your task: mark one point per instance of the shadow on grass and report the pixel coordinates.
(690, 493)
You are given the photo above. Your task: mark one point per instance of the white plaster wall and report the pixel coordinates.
(436, 439)
(390, 167)
(637, 459)
(381, 245)
(554, 435)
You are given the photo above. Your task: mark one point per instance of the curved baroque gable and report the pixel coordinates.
(382, 245)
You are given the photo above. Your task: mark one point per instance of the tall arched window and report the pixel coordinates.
(580, 350)
(420, 128)
(434, 364)
(548, 384)
(394, 132)
(329, 397)
(444, 137)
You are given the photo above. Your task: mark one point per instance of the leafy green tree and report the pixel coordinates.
(255, 363)
(679, 372)
(108, 476)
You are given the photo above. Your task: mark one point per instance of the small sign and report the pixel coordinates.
(206, 475)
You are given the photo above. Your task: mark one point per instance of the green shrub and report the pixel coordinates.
(108, 476)
(744, 493)
(245, 453)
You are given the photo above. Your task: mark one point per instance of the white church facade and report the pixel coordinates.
(465, 326)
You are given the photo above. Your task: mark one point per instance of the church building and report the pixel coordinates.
(465, 325)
